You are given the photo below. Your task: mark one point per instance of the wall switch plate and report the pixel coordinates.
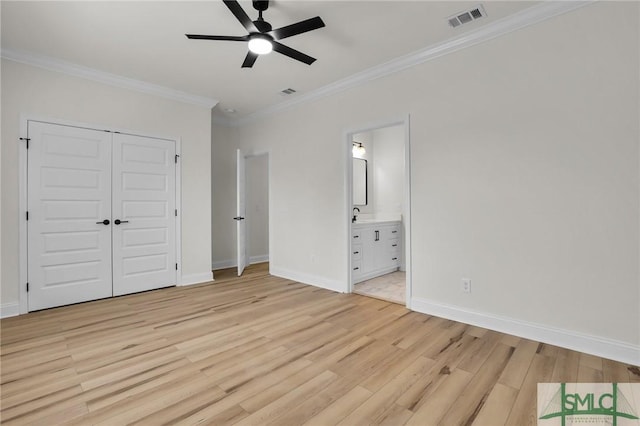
(466, 285)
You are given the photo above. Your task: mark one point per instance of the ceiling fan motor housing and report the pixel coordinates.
(261, 5)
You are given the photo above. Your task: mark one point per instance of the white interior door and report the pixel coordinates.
(143, 212)
(69, 207)
(241, 224)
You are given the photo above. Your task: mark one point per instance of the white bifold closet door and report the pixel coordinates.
(144, 185)
(81, 182)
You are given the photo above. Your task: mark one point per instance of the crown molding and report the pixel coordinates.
(522, 19)
(81, 71)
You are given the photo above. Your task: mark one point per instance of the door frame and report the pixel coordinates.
(23, 254)
(242, 257)
(403, 121)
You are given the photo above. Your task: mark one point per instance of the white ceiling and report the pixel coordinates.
(145, 40)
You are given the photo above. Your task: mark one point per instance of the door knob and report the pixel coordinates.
(104, 222)
(118, 221)
(238, 218)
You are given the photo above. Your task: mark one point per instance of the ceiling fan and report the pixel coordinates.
(262, 38)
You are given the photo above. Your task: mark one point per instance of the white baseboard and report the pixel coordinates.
(11, 309)
(304, 278)
(224, 264)
(364, 277)
(594, 345)
(259, 259)
(190, 279)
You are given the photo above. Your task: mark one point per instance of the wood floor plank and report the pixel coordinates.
(591, 361)
(244, 392)
(434, 409)
(394, 416)
(162, 397)
(634, 373)
(446, 362)
(373, 410)
(614, 372)
(43, 406)
(523, 411)
(589, 375)
(517, 368)
(262, 350)
(280, 389)
(135, 386)
(497, 407)
(341, 408)
(466, 407)
(270, 412)
(57, 378)
(566, 367)
(299, 414)
(180, 409)
(474, 359)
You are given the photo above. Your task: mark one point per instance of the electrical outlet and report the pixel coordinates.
(466, 285)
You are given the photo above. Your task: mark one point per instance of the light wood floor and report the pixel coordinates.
(262, 350)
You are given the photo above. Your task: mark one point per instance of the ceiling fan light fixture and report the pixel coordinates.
(260, 44)
(261, 35)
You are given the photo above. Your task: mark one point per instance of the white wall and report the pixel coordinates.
(223, 196)
(34, 91)
(257, 168)
(525, 175)
(388, 171)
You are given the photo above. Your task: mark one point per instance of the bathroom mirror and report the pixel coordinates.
(359, 182)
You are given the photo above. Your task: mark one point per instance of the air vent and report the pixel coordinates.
(466, 16)
(288, 91)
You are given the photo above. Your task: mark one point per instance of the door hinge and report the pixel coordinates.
(176, 266)
(176, 158)
(27, 214)
(26, 140)
(27, 287)
(176, 213)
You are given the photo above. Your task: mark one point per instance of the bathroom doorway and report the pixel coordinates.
(378, 183)
(252, 210)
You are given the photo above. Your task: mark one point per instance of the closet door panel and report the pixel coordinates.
(144, 233)
(69, 197)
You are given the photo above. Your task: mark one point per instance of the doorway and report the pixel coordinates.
(252, 210)
(379, 211)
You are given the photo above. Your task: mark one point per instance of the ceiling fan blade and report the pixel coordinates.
(250, 59)
(241, 15)
(214, 37)
(292, 53)
(297, 28)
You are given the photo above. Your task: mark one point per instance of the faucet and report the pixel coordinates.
(355, 215)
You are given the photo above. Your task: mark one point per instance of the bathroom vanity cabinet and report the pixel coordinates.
(375, 249)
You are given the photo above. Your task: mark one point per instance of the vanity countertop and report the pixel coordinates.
(374, 221)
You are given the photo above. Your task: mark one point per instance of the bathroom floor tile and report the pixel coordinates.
(390, 287)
